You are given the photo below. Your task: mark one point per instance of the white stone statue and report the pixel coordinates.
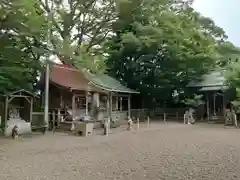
(230, 117)
(14, 113)
(130, 122)
(188, 117)
(191, 118)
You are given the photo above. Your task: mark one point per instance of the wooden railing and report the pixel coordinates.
(158, 114)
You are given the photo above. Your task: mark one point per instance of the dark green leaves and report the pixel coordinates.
(21, 29)
(161, 45)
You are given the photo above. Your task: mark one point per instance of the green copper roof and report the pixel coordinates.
(108, 83)
(214, 79)
(214, 88)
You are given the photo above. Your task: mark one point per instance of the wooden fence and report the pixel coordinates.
(169, 114)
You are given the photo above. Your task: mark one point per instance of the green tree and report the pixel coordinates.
(22, 30)
(228, 54)
(232, 74)
(79, 28)
(160, 45)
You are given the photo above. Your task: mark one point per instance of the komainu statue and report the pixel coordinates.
(188, 117)
(230, 117)
(130, 122)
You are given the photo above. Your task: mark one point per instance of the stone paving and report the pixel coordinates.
(165, 152)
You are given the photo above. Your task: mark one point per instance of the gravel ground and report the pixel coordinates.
(165, 152)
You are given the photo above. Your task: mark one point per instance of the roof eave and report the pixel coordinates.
(113, 90)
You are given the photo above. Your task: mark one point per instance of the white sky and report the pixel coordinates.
(226, 14)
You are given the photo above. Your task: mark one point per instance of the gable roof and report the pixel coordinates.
(210, 82)
(214, 88)
(70, 77)
(108, 83)
(19, 93)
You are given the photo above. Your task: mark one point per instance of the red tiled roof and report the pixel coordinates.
(70, 77)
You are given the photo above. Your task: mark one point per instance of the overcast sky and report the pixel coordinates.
(225, 13)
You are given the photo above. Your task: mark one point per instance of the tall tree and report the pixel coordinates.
(160, 45)
(79, 27)
(21, 31)
(228, 54)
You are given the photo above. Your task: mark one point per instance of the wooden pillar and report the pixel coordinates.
(31, 110)
(138, 126)
(5, 115)
(73, 106)
(117, 102)
(96, 101)
(164, 117)
(53, 120)
(208, 114)
(214, 104)
(110, 105)
(58, 116)
(86, 103)
(121, 104)
(223, 105)
(61, 101)
(148, 121)
(129, 106)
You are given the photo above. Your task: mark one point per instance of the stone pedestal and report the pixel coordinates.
(83, 129)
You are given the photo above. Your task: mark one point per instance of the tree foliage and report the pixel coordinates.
(21, 31)
(228, 54)
(79, 27)
(160, 45)
(153, 46)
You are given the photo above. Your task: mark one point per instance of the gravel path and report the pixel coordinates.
(168, 152)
